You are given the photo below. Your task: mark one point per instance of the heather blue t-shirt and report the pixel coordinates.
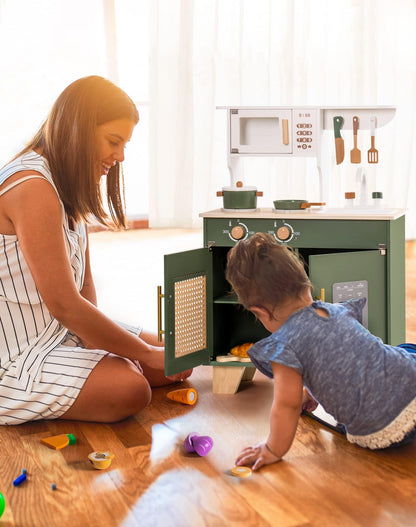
(362, 382)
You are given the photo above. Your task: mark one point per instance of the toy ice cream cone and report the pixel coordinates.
(184, 395)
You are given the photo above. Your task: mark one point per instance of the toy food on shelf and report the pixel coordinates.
(238, 353)
(241, 350)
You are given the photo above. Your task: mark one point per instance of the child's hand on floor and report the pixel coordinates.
(257, 456)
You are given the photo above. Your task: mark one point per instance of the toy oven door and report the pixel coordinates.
(354, 274)
(188, 317)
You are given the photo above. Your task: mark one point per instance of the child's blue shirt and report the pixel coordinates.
(368, 386)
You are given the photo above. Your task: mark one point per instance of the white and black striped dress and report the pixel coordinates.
(42, 366)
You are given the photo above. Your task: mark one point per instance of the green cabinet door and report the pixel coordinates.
(188, 313)
(361, 273)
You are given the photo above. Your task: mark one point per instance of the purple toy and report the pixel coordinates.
(199, 444)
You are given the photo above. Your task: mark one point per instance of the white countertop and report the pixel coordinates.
(321, 213)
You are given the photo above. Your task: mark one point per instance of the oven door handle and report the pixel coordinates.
(322, 297)
(160, 331)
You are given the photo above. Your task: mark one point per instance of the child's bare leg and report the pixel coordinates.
(114, 390)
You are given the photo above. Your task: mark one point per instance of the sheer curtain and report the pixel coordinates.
(47, 44)
(44, 45)
(209, 53)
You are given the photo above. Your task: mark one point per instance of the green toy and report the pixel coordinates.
(2, 504)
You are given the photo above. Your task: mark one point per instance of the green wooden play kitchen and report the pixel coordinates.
(349, 253)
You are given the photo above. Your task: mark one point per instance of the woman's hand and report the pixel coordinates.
(153, 366)
(257, 456)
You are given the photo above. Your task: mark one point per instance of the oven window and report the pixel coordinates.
(190, 315)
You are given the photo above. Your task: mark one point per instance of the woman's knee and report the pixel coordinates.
(130, 389)
(136, 393)
(114, 390)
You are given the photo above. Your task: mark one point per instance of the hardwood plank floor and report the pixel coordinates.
(152, 481)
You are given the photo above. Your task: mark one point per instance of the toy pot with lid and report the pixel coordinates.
(239, 197)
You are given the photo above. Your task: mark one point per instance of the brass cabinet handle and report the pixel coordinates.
(160, 331)
(322, 297)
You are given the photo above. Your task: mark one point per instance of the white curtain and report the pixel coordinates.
(46, 44)
(209, 53)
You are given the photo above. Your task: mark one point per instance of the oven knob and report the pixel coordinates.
(238, 232)
(283, 233)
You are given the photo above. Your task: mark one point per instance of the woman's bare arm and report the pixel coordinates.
(88, 289)
(36, 214)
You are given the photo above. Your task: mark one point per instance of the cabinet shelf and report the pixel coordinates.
(228, 298)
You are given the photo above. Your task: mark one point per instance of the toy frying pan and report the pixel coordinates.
(294, 204)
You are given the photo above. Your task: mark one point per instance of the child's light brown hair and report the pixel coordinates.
(264, 273)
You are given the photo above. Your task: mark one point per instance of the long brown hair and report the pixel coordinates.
(264, 273)
(67, 139)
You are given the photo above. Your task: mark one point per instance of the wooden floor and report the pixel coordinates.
(152, 481)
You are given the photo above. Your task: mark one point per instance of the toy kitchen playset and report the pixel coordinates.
(349, 252)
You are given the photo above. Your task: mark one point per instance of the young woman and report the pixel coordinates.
(60, 357)
(319, 352)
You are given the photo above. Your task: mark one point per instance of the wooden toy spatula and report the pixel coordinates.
(355, 153)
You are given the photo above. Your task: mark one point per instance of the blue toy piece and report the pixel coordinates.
(18, 481)
(2, 504)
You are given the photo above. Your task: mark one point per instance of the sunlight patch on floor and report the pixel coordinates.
(182, 495)
(164, 442)
(128, 266)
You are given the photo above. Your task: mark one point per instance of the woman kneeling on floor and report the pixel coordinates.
(60, 357)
